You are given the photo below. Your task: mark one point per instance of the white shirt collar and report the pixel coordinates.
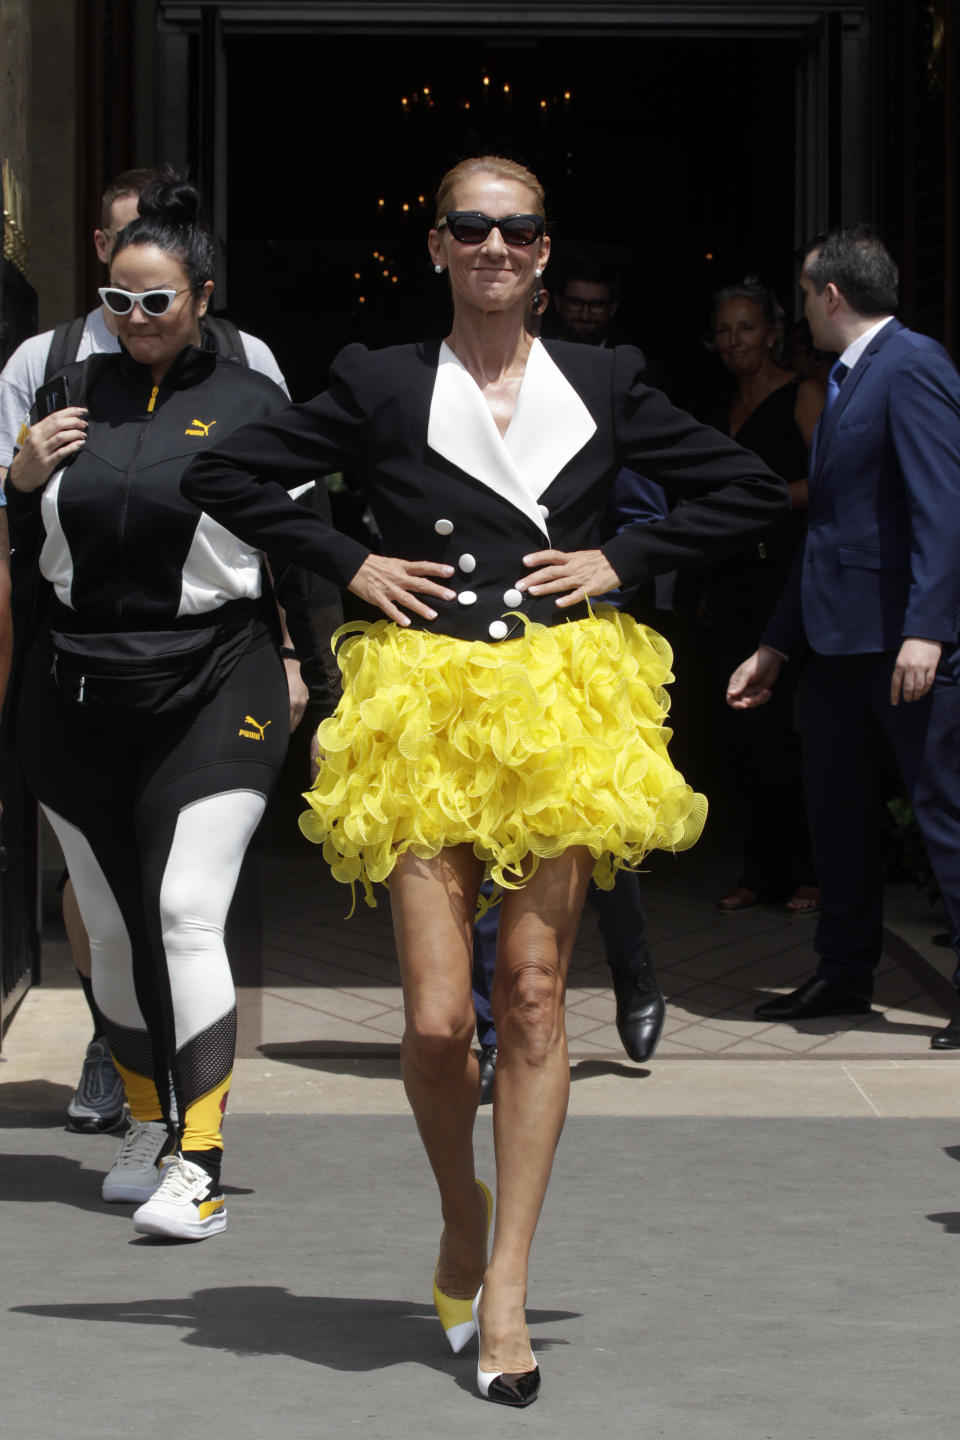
(853, 352)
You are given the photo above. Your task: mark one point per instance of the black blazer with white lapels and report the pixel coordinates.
(444, 485)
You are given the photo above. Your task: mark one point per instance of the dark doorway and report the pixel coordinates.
(673, 158)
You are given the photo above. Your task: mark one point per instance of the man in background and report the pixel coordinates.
(875, 595)
(586, 301)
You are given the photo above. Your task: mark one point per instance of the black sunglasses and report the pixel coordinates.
(471, 227)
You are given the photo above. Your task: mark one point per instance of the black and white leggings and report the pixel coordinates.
(154, 827)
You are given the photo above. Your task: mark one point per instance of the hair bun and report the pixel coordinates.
(173, 201)
(171, 216)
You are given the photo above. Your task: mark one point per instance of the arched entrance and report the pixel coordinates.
(694, 142)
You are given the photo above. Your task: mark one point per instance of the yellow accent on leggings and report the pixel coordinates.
(142, 1094)
(204, 1118)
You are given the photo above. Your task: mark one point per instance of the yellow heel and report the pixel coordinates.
(456, 1316)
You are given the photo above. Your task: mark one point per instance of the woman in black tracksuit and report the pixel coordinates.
(153, 712)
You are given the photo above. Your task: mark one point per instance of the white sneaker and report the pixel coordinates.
(186, 1205)
(134, 1175)
(98, 1103)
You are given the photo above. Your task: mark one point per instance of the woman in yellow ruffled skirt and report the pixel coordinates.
(491, 723)
(544, 743)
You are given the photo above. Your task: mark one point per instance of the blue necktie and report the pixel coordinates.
(838, 373)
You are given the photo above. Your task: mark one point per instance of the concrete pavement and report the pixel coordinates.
(695, 1279)
(752, 1238)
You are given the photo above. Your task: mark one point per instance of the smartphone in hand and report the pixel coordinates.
(55, 395)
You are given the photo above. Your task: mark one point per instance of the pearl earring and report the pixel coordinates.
(538, 273)
(438, 269)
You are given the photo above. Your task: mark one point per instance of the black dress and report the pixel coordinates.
(742, 592)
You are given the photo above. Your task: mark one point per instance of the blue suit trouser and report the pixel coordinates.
(623, 927)
(847, 715)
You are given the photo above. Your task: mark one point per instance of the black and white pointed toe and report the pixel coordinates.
(517, 1389)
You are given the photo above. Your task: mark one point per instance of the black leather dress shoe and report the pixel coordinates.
(814, 998)
(949, 1037)
(488, 1071)
(640, 1012)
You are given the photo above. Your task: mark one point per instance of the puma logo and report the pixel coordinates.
(256, 734)
(202, 430)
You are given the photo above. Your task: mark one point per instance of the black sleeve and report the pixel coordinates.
(729, 496)
(314, 611)
(242, 482)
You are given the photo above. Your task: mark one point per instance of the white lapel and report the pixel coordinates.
(550, 425)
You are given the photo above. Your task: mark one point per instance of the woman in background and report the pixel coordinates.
(772, 412)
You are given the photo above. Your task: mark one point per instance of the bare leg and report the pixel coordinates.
(433, 903)
(538, 928)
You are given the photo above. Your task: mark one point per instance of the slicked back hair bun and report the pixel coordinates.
(172, 218)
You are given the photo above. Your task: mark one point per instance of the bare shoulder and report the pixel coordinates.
(810, 398)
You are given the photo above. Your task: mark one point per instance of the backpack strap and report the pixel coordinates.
(227, 338)
(63, 346)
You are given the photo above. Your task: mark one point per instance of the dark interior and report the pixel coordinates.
(672, 158)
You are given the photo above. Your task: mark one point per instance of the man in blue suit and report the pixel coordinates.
(875, 595)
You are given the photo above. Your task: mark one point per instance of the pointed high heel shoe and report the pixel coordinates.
(456, 1316)
(518, 1389)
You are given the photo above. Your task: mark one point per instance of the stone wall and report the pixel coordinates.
(14, 94)
(38, 141)
(54, 232)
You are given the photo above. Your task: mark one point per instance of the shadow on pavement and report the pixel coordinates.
(34, 1105)
(949, 1219)
(876, 1023)
(387, 1067)
(342, 1332)
(371, 1062)
(588, 1069)
(54, 1180)
(57, 1180)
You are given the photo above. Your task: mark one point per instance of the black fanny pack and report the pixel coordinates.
(144, 677)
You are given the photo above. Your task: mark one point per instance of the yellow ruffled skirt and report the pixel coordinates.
(521, 749)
